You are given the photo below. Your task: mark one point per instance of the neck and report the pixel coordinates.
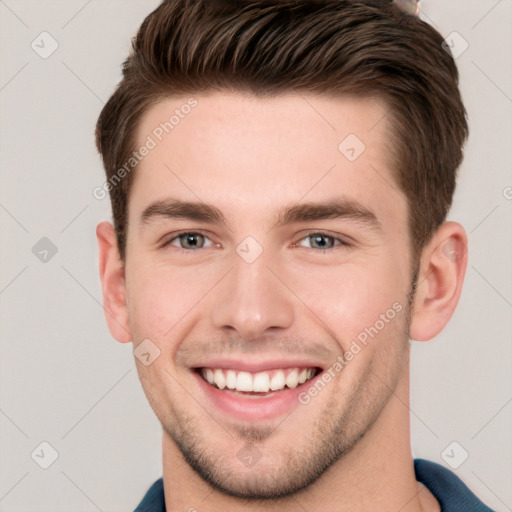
(377, 474)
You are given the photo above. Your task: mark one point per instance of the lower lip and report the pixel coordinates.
(252, 407)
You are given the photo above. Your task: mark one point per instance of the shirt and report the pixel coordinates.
(450, 491)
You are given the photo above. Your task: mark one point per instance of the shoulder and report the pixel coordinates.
(153, 500)
(451, 492)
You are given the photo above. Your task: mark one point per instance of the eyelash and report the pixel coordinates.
(341, 243)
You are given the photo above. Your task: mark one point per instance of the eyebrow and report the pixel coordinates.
(338, 208)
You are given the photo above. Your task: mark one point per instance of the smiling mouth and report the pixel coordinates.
(263, 383)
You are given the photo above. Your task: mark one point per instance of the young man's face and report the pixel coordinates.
(265, 290)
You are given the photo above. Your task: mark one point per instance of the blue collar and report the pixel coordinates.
(451, 492)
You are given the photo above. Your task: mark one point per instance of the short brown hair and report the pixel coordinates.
(363, 48)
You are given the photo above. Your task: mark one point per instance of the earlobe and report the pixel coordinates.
(440, 280)
(113, 283)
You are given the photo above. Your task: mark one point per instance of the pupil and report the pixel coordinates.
(191, 240)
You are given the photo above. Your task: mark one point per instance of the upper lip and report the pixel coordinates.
(257, 364)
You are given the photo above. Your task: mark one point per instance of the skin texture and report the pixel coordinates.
(349, 447)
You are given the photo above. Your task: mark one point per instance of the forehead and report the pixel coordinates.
(229, 148)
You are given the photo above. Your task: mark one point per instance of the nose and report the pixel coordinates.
(252, 299)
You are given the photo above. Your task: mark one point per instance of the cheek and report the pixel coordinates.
(161, 298)
(352, 299)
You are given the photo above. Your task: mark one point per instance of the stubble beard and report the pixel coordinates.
(280, 474)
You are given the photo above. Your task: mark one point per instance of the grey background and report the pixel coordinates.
(66, 382)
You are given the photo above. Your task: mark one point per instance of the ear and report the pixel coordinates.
(113, 284)
(441, 275)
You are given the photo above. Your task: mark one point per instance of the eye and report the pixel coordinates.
(322, 241)
(194, 240)
(189, 241)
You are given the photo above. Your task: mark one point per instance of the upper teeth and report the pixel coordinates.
(260, 382)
